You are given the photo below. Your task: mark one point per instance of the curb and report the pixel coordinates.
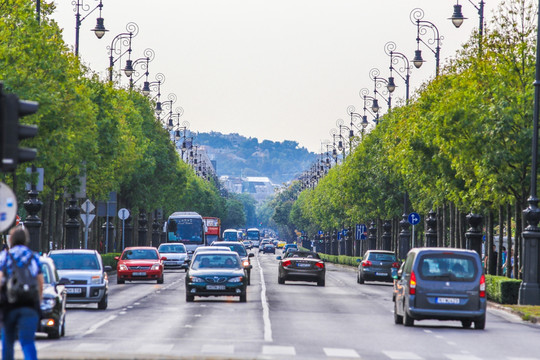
(532, 319)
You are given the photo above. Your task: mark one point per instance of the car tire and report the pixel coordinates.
(102, 304)
(243, 297)
(360, 279)
(480, 323)
(190, 298)
(466, 324)
(119, 281)
(54, 333)
(407, 319)
(280, 280)
(185, 270)
(160, 280)
(321, 282)
(63, 330)
(398, 319)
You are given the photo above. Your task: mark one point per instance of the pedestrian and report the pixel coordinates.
(492, 261)
(503, 260)
(505, 265)
(20, 319)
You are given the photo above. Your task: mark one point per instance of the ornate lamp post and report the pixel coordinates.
(122, 39)
(131, 66)
(374, 105)
(377, 82)
(147, 87)
(395, 56)
(422, 27)
(529, 290)
(457, 19)
(99, 30)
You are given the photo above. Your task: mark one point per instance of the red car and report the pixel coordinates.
(140, 263)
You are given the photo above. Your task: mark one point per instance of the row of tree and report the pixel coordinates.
(462, 144)
(93, 128)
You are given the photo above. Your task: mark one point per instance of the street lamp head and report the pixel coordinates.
(391, 86)
(177, 135)
(418, 61)
(351, 134)
(457, 17)
(340, 145)
(171, 125)
(364, 121)
(375, 106)
(128, 70)
(158, 108)
(99, 30)
(146, 88)
(334, 154)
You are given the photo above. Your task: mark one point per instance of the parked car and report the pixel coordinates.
(442, 284)
(88, 280)
(140, 263)
(216, 273)
(301, 266)
(53, 305)
(269, 248)
(378, 265)
(239, 248)
(292, 247)
(176, 255)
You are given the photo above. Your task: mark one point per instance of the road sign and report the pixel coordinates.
(8, 207)
(414, 218)
(321, 232)
(87, 218)
(360, 233)
(123, 214)
(87, 206)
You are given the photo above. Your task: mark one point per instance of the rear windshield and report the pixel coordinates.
(239, 248)
(69, 261)
(447, 267)
(382, 257)
(140, 254)
(172, 248)
(213, 261)
(302, 254)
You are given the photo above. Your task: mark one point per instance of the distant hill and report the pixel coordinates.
(237, 155)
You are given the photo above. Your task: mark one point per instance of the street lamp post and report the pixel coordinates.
(121, 39)
(422, 27)
(99, 30)
(529, 290)
(389, 49)
(377, 81)
(148, 86)
(374, 105)
(131, 66)
(457, 19)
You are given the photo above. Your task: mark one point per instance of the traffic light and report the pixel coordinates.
(11, 132)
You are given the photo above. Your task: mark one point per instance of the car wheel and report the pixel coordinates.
(102, 304)
(480, 323)
(407, 319)
(360, 279)
(185, 270)
(398, 319)
(54, 333)
(466, 324)
(243, 297)
(280, 280)
(63, 330)
(119, 281)
(190, 298)
(320, 282)
(160, 280)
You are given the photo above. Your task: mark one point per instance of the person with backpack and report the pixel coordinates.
(22, 285)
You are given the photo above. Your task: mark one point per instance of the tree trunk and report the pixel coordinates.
(452, 226)
(509, 251)
(500, 250)
(517, 251)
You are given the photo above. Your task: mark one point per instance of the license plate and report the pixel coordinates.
(381, 274)
(74, 290)
(215, 287)
(303, 265)
(141, 273)
(443, 300)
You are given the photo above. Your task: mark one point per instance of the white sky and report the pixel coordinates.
(277, 70)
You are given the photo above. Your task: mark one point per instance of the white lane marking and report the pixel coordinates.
(451, 343)
(461, 357)
(334, 352)
(99, 324)
(266, 308)
(428, 331)
(218, 349)
(278, 350)
(402, 355)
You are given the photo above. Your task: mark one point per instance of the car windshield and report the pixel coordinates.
(71, 261)
(302, 254)
(47, 273)
(239, 248)
(447, 267)
(382, 257)
(140, 254)
(172, 248)
(216, 261)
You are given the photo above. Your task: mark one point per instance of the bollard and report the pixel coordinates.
(404, 238)
(73, 225)
(474, 233)
(431, 231)
(387, 235)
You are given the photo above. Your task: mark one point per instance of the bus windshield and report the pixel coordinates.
(253, 235)
(230, 235)
(185, 230)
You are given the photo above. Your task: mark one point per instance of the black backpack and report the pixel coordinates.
(21, 287)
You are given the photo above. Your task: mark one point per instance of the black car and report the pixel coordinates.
(301, 266)
(269, 248)
(378, 265)
(53, 305)
(216, 273)
(240, 249)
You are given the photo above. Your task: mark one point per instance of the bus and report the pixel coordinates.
(187, 228)
(231, 235)
(213, 229)
(254, 235)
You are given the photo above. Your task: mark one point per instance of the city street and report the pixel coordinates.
(343, 320)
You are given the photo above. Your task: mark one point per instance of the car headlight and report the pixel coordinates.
(96, 280)
(122, 267)
(195, 279)
(245, 263)
(48, 304)
(155, 267)
(237, 279)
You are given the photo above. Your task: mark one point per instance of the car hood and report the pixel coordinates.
(174, 256)
(139, 262)
(216, 272)
(79, 274)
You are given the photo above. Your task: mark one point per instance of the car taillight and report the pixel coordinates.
(482, 286)
(395, 265)
(412, 284)
(320, 265)
(286, 263)
(366, 263)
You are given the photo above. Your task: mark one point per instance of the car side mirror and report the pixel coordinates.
(278, 257)
(107, 268)
(163, 258)
(251, 255)
(117, 258)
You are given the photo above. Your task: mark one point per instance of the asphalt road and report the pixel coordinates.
(298, 320)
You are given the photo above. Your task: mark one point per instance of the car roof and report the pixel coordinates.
(140, 248)
(219, 252)
(173, 244)
(228, 243)
(437, 250)
(381, 252)
(73, 251)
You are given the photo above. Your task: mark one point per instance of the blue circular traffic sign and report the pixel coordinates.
(414, 218)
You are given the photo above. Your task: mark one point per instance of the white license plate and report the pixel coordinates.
(381, 274)
(215, 287)
(141, 273)
(303, 265)
(444, 300)
(74, 290)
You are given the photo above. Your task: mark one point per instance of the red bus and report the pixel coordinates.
(213, 229)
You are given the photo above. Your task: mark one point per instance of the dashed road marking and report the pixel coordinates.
(334, 352)
(401, 355)
(266, 308)
(278, 350)
(217, 349)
